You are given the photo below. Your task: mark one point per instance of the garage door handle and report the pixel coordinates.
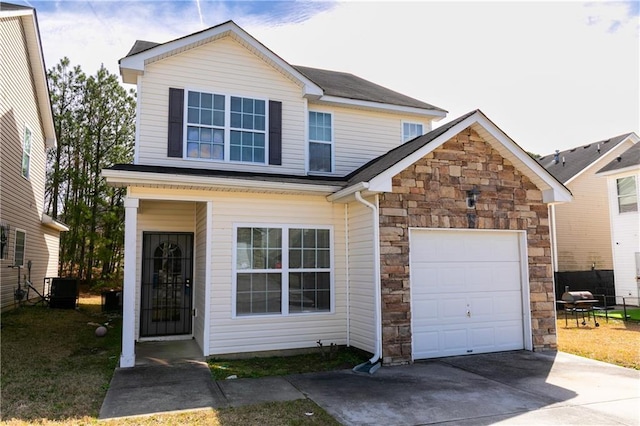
(468, 312)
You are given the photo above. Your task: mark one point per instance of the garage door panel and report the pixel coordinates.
(482, 338)
(454, 339)
(427, 344)
(466, 290)
(508, 304)
(506, 276)
(427, 310)
(471, 276)
(509, 335)
(464, 246)
(453, 309)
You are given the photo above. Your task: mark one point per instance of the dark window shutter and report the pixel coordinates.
(275, 133)
(176, 122)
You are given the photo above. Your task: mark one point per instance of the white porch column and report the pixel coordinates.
(208, 279)
(128, 356)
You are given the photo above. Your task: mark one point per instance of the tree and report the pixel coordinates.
(94, 119)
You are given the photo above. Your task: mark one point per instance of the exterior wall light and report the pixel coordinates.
(472, 198)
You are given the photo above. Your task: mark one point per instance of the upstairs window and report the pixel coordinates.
(223, 127)
(205, 126)
(411, 131)
(320, 142)
(26, 152)
(627, 194)
(248, 118)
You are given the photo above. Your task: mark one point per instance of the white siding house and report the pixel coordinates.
(253, 215)
(623, 183)
(26, 132)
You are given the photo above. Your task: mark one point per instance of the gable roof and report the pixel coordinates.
(29, 22)
(141, 46)
(571, 162)
(327, 86)
(345, 85)
(384, 162)
(628, 159)
(376, 176)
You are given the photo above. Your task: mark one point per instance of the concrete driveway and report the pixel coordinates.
(521, 388)
(505, 388)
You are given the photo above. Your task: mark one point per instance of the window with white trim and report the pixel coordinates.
(627, 194)
(26, 152)
(20, 243)
(282, 270)
(320, 142)
(411, 131)
(309, 270)
(221, 127)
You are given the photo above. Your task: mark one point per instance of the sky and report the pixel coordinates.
(551, 75)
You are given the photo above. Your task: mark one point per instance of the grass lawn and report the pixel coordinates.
(616, 342)
(279, 366)
(632, 313)
(53, 365)
(54, 371)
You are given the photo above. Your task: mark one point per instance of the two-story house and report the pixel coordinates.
(623, 183)
(270, 206)
(584, 258)
(27, 235)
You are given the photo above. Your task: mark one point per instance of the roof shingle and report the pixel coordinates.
(345, 85)
(629, 158)
(572, 161)
(334, 83)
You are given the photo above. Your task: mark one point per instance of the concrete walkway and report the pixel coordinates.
(505, 388)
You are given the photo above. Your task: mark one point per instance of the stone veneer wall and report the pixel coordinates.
(432, 194)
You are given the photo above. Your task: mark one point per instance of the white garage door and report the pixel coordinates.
(466, 292)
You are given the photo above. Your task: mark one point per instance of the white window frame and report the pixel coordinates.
(284, 270)
(411, 123)
(226, 128)
(26, 153)
(634, 194)
(15, 246)
(331, 143)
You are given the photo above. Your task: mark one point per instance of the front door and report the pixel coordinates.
(166, 296)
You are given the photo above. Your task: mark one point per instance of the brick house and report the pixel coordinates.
(324, 207)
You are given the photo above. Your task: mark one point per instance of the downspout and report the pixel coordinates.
(554, 256)
(374, 363)
(554, 239)
(347, 275)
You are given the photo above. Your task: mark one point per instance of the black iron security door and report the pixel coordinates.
(166, 295)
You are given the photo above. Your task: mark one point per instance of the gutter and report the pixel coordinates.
(345, 192)
(373, 364)
(129, 178)
(50, 222)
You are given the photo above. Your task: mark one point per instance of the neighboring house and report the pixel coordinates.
(623, 182)
(581, 228)
(27, 234)
(272, 206)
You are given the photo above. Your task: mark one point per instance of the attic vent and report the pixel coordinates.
(586, 146)
(556, 157)
(573, 150)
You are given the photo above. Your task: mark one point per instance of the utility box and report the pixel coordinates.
(64, 293)
(112, 301)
